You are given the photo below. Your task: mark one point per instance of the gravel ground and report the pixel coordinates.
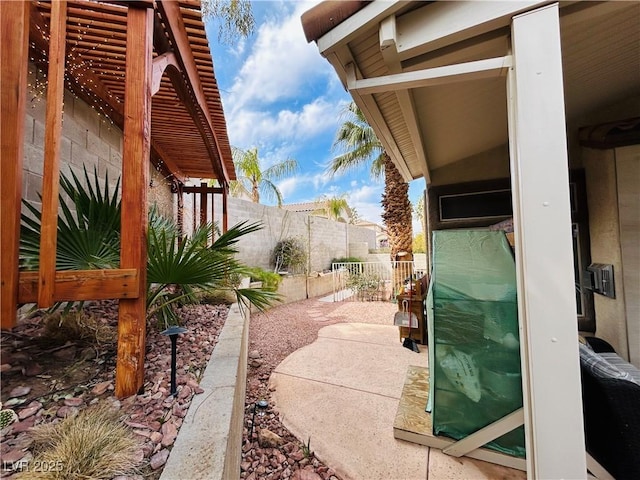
(46, 378)
(44, 381)
(272, 337)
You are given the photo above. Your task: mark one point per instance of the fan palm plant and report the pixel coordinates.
(177, 269)
(88, 226)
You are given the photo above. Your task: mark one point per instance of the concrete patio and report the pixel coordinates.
(342, 393)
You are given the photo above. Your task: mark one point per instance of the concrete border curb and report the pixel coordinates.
(209, 442)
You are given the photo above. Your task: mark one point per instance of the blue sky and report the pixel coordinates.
(281, 96)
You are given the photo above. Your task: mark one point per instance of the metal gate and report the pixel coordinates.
(370, 281)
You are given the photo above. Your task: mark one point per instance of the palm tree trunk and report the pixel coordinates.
(397, 216)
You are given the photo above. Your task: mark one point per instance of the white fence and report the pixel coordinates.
(370, 281)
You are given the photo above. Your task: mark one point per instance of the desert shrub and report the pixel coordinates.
(59, 327)
(289, 255)
(347, 260)
(270, 280)
(365, 284)
(94, 444)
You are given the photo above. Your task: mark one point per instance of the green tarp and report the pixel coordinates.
(474, 349)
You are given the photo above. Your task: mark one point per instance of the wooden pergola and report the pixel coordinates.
(146, 65)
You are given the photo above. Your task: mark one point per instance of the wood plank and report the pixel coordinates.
(135, 179)
(414, 424)
(71, 285)
(51, 175)
(14, 56)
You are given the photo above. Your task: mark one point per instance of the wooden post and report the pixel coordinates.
(225, 192)
(194, 212)
(135, 179)
(213, 215)
(203, 203)
(180, 210)
(51, 176)
(14, 56)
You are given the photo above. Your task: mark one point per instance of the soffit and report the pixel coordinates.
(601, 62)
(181, 136)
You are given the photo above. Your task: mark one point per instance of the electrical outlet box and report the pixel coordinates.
(600, 279)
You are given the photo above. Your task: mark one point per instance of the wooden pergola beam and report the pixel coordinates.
(177, 32)
(135, 180)
(14, 55)
(51, 171)
(92, 82)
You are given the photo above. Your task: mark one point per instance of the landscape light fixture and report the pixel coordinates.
(173, 332)
(262, 405)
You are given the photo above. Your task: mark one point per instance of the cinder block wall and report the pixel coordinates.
(323, 239)
(88, 139)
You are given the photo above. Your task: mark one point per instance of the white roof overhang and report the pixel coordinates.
(430, 77)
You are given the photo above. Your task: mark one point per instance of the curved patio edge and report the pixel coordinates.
(209, 442)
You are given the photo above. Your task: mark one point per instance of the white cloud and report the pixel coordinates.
(281, 65)
(249, 127)
(309, 184)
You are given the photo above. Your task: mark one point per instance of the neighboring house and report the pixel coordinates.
(314, 208)
(382, 239)
(528, 109)
(169, 127)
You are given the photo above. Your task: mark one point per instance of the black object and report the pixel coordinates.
(261, 404)
(612, 421)
(173, 332)
(409, 342)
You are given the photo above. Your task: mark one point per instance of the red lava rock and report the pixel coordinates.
(137, 425)
(32, 369)
(12, 456)
(297, 455)
(159, 459)
(244, 466)
(29, 410)
(149, 410)
(100, 388)
(169, 434)
(305, 475)
(73, 402)
(19, 392)
(23, 426)
(184, 393)
(64, 411)
(65, 354)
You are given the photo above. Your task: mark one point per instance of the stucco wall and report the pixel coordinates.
(600, 174)
(628, 179)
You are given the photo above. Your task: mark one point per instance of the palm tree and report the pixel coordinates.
(334, 207)
(361, 147)
(253, 181)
